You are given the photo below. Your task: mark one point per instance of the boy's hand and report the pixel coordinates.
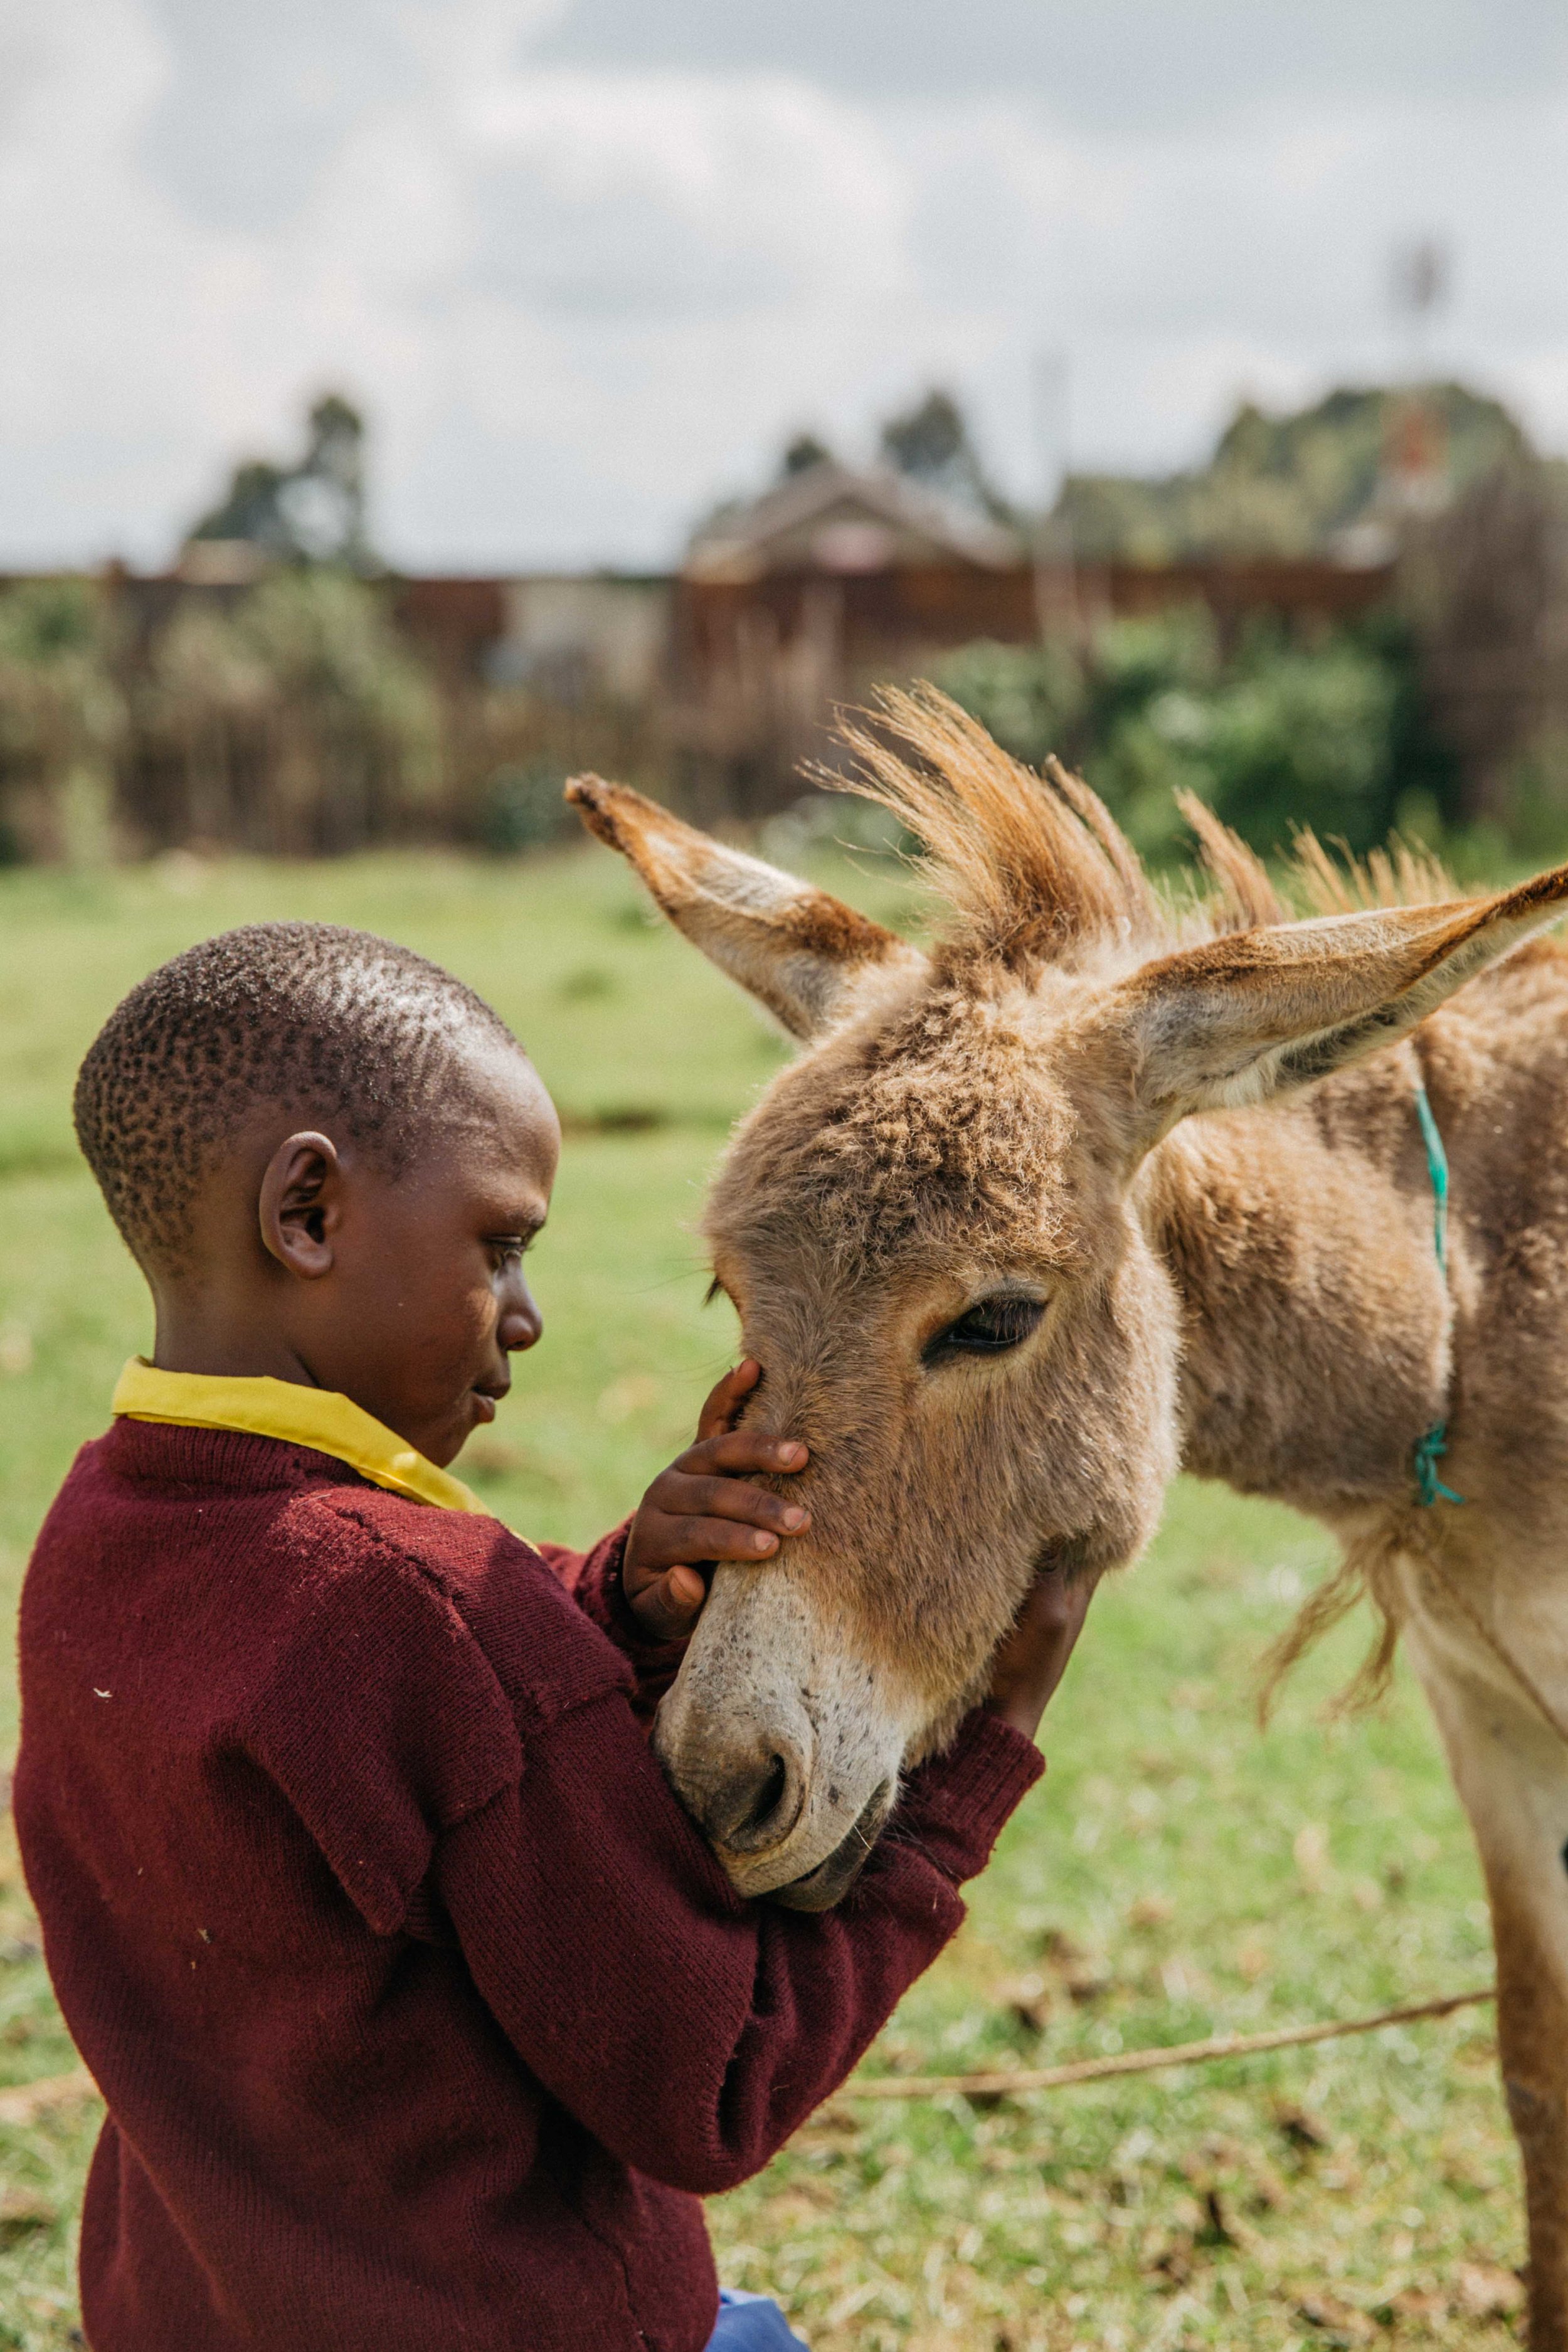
(1034, 1655)
(699, 1510)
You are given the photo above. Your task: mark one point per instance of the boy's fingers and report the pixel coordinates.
(1033, 1657)
(744, 1449)
(685, 1539)
(679, 1493)
(667, 1609)
(725, 1399)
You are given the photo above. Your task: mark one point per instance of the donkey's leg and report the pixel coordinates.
(1511, 1772)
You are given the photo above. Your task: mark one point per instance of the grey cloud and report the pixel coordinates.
(470, 497)
(622, 254)
(1131, 65)
(969, 235)
(24, 61)
(260, 98)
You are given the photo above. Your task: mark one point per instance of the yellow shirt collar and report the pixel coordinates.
(319, 1418)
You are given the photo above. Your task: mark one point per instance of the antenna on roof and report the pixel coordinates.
(1420, 278)
(1416, 441)
(1056, 569)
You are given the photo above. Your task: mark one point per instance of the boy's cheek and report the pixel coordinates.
(414, 1363)
(452, 1341)
(466, 1349)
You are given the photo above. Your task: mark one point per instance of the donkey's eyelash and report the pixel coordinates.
(988, 1328)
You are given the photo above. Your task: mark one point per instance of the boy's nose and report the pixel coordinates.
(520, 1322)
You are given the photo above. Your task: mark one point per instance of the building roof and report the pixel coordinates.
(831, 518)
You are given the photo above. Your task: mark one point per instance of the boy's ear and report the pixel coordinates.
(796, 949)
(1241, 1018)
(299, 1207)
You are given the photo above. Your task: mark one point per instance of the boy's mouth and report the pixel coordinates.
(485, 1400)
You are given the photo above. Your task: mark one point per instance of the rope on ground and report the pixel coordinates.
(1144, 2062)
(29, 2101)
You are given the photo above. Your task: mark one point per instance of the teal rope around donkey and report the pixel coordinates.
(1430, 1449)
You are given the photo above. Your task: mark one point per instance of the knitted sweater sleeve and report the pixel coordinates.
(691, 2032)
(593, 1579)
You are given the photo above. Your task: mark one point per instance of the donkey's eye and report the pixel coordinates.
(987, 1329)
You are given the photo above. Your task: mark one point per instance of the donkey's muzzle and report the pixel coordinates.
(830, 1881)
(774, 1738)
(757, 1800)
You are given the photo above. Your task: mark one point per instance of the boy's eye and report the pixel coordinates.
(508, 1248)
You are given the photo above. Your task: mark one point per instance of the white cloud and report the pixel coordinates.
(580, 297)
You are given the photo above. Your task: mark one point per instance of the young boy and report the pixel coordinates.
(423, 2013)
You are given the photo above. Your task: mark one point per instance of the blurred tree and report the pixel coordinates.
(803, 453)
(1289, 486)
(931, 444)
(310, 513)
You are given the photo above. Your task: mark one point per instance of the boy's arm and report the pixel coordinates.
(595, 1580)
(689, 2031)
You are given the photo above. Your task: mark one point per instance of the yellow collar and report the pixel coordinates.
(319, 1418)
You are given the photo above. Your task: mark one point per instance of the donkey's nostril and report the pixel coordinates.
(757, 1803)
(770, 1795)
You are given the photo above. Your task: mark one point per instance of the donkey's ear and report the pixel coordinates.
(796, 949)
(1240, 1018)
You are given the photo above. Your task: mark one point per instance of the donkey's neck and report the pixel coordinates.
(1316, 1321)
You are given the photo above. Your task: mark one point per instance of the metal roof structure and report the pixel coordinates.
(834, 519)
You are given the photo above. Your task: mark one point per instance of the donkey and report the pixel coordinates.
(1099, 1185)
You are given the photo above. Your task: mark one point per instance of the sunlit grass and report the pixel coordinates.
(1177, 1874)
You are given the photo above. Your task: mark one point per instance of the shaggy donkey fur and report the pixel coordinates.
(1107, 1180)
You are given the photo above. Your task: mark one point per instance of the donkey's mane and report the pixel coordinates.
(1036, 869)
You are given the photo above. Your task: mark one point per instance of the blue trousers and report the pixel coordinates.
(751, 2323)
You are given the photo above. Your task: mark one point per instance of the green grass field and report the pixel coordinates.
(1177, 1874)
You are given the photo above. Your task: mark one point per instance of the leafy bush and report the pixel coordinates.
(1275, 736)
(524, 808)
(357, 715)
(297, 718)
(1132, 664)
(1300, 738)
(62, 718)
(1031, 699)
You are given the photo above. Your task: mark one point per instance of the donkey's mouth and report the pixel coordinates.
(830, 1881)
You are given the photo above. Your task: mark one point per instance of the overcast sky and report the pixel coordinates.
(586, 263)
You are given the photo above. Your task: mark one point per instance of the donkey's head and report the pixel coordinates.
(930, 1227)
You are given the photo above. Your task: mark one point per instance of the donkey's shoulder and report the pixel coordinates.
(1511, 1016)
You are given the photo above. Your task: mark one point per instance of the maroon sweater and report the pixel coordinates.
(423, 2012)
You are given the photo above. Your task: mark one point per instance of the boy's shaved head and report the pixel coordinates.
(316, 1019)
